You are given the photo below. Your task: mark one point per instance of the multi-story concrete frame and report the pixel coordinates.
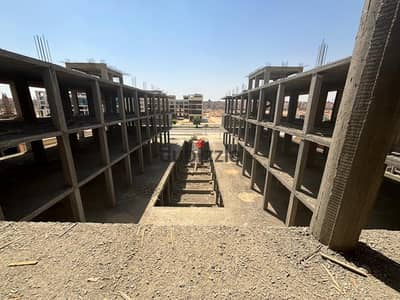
(123, 129)
(264, 75)
(285, 155)
(41, 105)
(194, 105)
(172, 104)
(189, 107)
(182, 108)
(100, 70)
(268, 141)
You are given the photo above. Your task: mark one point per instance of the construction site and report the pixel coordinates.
(295, 196)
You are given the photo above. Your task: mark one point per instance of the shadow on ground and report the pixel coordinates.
(380, 266)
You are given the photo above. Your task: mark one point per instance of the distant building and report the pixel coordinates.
(83, 104)
(40, 104)
(7, 107)
(172, 103)
(194, 105)
(189, 107)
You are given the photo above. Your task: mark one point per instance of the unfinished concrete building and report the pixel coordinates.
(118, 131)
(100, 70)
(266, 74)
(319, 145)
(281, 131)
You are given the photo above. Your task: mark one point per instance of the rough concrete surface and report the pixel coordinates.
(121, 261)
(242, 206)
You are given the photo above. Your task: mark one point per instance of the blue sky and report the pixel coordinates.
(206, 46)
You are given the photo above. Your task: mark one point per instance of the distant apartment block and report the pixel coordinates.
(189, 107)
(7, 108)
(195, 105)
(172, 103)
(40, 104)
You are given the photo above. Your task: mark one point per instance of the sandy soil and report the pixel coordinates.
(105, 261)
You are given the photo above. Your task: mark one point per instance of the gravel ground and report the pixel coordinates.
(120, 261)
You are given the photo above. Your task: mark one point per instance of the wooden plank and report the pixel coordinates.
(23, 263)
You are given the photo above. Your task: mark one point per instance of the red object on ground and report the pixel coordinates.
(200, 144)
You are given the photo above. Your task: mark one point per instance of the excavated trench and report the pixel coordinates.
(188, 184)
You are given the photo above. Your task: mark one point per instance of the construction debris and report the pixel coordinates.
(68, 229)
(23, 263)
(311, 255)
(9, 243)
(345, 265)
(336, 284)
(124, 296)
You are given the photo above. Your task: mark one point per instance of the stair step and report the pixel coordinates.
(197, 172)
(189, 177)
(191, 165)
(197, 180)
(208, 191)
(205, 185)
(186, 199)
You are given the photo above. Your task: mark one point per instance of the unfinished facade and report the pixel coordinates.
(280, 131)
(95, 128)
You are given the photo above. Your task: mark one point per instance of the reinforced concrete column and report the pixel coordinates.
(319, 115)
(244, 161)
(25, 103)
(139, 135)
(259, 129)
(280, 98)
(364, 131)
(64, 147)
(253, 173)
(236, 105)
(231, 132)
(336, 105)
(69, 171)
(293, 101)
(271, 160)
(297, 180)
(150, 154)
(274, 143)
(312, 103)
(247, 117)
(104, 151)
(125, 141)
(241, 106)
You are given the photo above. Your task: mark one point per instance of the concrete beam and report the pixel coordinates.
(364, 132)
